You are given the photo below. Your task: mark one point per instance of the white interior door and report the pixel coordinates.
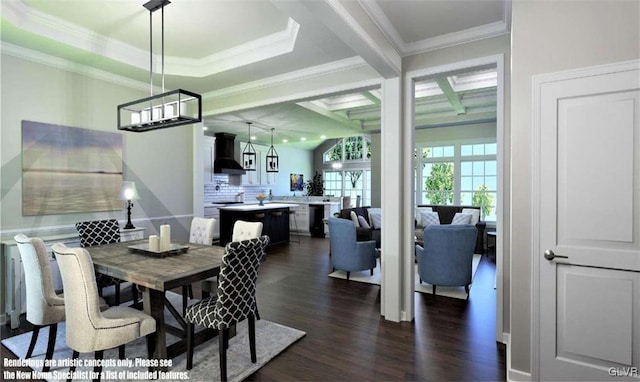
(588, 296)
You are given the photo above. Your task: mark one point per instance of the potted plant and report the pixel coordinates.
(315, 186)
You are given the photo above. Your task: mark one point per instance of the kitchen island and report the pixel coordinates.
(273, 216)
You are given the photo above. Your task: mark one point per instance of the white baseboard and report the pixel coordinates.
(513, 374)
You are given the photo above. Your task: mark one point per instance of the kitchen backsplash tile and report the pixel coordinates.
(226, 188)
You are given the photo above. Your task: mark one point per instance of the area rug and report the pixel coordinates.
(271, 339)
(365, 277)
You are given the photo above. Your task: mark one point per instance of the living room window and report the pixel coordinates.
(462, 173)
(350, 174)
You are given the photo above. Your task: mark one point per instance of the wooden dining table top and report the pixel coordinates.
(160, 273)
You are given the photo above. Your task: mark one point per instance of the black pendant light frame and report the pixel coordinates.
(272, 157)
(249, 154)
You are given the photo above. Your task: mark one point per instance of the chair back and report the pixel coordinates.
(80, 295)
(202, 231)
(342, 236)
(448, 254)
(98, 232)
(44, 307)
(237, 280)
(243, 230)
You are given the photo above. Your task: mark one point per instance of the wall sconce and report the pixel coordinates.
(129, 193)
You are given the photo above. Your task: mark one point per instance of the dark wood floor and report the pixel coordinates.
(348, 340)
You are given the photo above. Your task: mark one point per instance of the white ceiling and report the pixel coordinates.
(216, 44)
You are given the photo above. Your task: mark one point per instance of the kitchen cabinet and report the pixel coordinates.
(258, 177)
(274, 218)
(300, 223)
(209, 155)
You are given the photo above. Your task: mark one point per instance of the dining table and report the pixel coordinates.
(155, 275)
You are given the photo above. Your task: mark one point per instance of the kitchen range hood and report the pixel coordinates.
(225, 162)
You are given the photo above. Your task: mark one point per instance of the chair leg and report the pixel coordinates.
(134, 294)
(121, 354)
(257, 313)
(72, 368)
(190, 329)
(420, 279)
(98, 368)
(51, 344)
(190, 288)
(434, 289)
(348, 274)
(371, 271)
(117, 287)
(222, 350)
(252, 337)
(466, 289)
(151, 345)
(185, 297)
(34, 339)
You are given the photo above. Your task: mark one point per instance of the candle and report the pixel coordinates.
(165, 237)
(154, 243)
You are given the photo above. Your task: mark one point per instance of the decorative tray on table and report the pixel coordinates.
(174, 249)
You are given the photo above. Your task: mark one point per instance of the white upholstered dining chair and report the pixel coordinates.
(243, 230)
(202, 232)
(89, 329)
(44, 306)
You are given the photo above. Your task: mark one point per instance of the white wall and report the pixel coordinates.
(549, 37)
(159, 161)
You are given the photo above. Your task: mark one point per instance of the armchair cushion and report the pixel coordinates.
(354, 219)
(363, 222)
(460, 218)
(375, 217)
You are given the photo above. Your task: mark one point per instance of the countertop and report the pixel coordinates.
(307, 202)
(257, 207)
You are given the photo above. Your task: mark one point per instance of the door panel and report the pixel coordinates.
(589, 297)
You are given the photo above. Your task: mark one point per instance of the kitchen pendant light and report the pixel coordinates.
(249, 154)
(272, 157)
(173, 108)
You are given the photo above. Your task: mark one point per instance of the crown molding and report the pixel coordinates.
(42, 24)
(407, 49)
(302, 74)
(263, 48)
(60, 63)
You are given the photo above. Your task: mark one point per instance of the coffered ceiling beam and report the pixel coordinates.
(368, 95)
(350, 22)
(329, 114)
(451, 95)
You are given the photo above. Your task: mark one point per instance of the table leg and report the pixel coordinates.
(154, 306)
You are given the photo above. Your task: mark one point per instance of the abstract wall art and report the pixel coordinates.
(69, 169)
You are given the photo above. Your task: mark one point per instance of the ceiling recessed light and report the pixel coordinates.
(253, 138)
(205, 128)
(303, 139)
(323, 137)
(285, 140)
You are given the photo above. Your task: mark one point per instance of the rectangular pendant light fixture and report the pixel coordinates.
(168, 109)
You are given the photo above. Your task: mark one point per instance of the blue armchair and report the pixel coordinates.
(347, 254)
(447, 256)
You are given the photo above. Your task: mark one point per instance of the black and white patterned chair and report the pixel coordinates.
(100, 232)
(235, 299)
